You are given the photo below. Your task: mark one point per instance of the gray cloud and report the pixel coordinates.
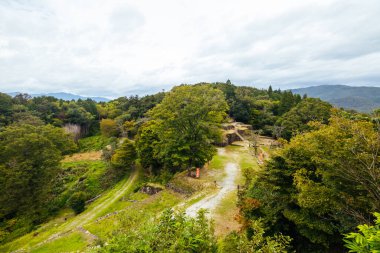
(115, 48)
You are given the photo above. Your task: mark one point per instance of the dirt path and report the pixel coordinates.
(86, 217)
(226, 186)
(91, 213)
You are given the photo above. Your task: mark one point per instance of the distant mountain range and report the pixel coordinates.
(64, 96)
(363, 99)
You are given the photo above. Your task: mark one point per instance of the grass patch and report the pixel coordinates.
(75, 176)
(225, 215)
(94, 143)
(218, 162)
(247, 161)
(122, 202)
(63, 222)
(73, 242)
(227, 203)
(138, 213)
(83, 176)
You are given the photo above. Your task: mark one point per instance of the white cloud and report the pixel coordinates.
(115, 48)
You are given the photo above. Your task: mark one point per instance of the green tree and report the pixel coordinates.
(29, 159)
(287, 101)
(296, 120)
(125, 155)
(27, 118)
(186, 124)
(321, 185)
(78, 115)
(109, 128)
(129, 128)
(270, 91)
(90, 106)
(147, 144)
(367, 240)
(22, 98)
(46, 108)
(5, 109)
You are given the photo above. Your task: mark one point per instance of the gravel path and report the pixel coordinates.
(212, 201)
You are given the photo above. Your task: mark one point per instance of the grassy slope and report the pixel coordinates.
(137, 208)
(62, 228)
(93, 143)
(72, 242)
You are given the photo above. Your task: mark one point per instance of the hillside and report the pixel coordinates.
(67, 232)
(140, 176)
(363, 99)
(64, 96)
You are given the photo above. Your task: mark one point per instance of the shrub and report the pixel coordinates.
(109, 128)
(124, 156)
(172, 232)
(77, 202)
(257, 242)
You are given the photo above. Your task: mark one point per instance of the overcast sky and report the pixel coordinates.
(116, 48)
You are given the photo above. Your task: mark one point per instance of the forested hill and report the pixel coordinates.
(64, 96)
(363, 99)
(66, 164)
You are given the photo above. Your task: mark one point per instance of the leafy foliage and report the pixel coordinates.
(146, 144)
(322, 184)
(78, 202)
(260, 108)
(366, 240)
(109, 128)
(173, 232)
(5, 109)
(184, 125)
(125, 155)
(29, 160)
(296, 120)
(256, 242)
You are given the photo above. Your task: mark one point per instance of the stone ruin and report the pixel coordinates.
(231, 132)
(150, 190)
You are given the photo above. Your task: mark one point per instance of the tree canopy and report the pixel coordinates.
(29, 160)
(321, 185)
(296, 120)
(184, 126)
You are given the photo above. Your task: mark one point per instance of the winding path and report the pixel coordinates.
(90, 214)
(212, 201)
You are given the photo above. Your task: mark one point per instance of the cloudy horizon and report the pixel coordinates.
(115, 48)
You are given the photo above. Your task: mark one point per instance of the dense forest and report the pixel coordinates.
(310, 195)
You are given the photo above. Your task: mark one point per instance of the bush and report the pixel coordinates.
(172, 232)
(256, 242)
(77, 202)
(109, 128)
(125, 155)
